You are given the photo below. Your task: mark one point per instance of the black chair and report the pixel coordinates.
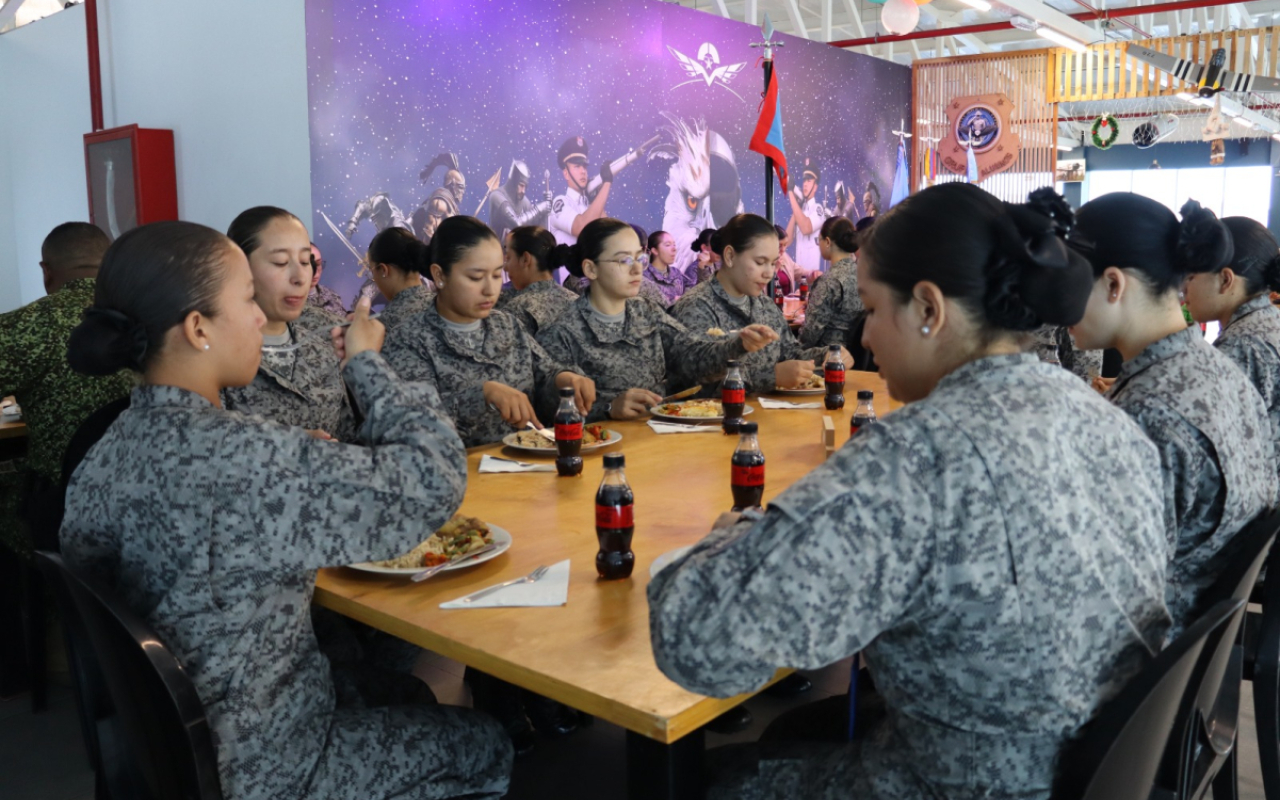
(1120, 752)
(1207, 755)
(1262, 667)
(164, 733)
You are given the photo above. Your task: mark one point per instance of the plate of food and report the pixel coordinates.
(693, 410)
(815, 385)
(594, 437)
(459, 536)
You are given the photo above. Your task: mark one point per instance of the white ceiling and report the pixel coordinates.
(835, 20)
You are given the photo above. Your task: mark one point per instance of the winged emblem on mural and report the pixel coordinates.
(707, 68)
(1209, 79)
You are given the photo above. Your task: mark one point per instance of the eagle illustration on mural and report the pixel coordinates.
(1209, 79)
(707, 68)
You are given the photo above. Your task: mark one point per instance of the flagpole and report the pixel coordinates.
(768, 161)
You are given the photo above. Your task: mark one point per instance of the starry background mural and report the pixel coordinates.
(393, 84)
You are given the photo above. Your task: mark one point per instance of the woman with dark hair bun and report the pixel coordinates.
(834, 306)
(1238, 296)
(205, 522)
(661, 272)
(628, 345)
(398, 263)
(295, 385)
(488, 370)
(975, 546)
(537, 299)
(706, 260)
(1208, 422)
(748, 248)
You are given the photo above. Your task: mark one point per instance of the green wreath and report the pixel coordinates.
(1113, 131)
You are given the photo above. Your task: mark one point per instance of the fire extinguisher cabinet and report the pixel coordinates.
(131, 176)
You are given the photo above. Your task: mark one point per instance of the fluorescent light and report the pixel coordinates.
(981, 5)
(1244, 122)
(1187, 97)
(1062, 39)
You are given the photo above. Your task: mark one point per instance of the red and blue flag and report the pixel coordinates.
(767, 138)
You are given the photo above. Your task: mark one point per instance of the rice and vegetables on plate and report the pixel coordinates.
(459, 536)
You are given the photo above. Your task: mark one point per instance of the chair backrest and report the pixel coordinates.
(1212, 705)
(164, 724)
(1266, 678)
(1120, 751)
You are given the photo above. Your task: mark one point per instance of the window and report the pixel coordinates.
(1249, 195)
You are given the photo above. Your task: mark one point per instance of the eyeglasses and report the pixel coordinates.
(628, 261)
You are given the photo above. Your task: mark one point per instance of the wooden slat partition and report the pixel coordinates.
(1105, 72)
(1024, 78)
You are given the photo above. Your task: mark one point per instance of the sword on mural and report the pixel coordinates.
(364, 266)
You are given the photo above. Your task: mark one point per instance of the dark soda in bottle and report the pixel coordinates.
(747, 469)
(568, 436)
(615, 521)
(833, 379)
(803, 291)
(864, 414)
(778, 299)
(733, 398)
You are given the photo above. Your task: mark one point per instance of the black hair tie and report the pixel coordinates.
(129, 336)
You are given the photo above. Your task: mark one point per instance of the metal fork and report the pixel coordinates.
(533, 577)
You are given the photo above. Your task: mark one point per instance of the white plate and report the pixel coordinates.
(501, 537)
(694, 420)
(510, 441)
(821, 390)
(663, 561)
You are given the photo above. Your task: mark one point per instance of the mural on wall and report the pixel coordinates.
(517, 113)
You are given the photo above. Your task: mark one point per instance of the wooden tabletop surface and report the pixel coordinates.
(592, 653)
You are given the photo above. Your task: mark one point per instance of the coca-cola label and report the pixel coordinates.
(748, 476)
(615, 516)
(833, 375)
(733, 395)
(567, 433)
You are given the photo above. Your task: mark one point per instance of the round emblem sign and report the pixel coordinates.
(978, 126)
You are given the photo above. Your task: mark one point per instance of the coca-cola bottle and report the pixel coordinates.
(615, 521)
(568, 436)
(864, 414)
(747, 470)
(733, 398)
(778, 298)
(833, 378)
(803, 291)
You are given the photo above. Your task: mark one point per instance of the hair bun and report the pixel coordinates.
(567, 256)
(105, 342)
(1054, 206)
(1204, 243)
(1036, 279)
(1272, 273)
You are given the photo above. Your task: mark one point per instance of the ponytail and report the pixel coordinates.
(399, 248)
(537, 242)
(590, 245)
(1256, 256)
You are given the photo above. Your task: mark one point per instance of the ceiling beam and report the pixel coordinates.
(723, 9)
(826, 20)
(8, 11)
(1054, 18)
(797, 21)
(967, 39)
(751, 12)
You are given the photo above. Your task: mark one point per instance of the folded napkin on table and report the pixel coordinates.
(495, 464)
(769, 403)
(551, 590)
(678, 427)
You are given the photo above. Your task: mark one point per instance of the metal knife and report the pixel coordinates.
(429, 571)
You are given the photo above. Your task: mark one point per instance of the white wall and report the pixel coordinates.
(230, 79)
(44, 111)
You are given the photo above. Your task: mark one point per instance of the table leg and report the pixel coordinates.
(657, 771)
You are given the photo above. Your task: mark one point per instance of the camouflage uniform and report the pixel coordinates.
(582, 287)
(301, 387)
(539, 304)
(672, 284)
(458, 363)
(211, 525)
(834, 306)
(1252, 340)
(33, 367)
(708, 306)
(329, 300)
(647, 350)
(410, 301)
(975, 549)
(1056, 343)
(1211, 429)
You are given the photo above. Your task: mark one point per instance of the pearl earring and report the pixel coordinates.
(206, 347)
(924, 330)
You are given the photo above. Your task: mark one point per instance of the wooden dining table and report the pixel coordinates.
(594, 653)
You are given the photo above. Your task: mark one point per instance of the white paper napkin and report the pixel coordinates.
(492, 464)
(675, 427)
(770, 403)
(552, 590)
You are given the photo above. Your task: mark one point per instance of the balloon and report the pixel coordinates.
(899, 16)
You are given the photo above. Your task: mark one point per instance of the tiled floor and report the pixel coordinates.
(42, 757)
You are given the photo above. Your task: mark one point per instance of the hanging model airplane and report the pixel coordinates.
(1209, 78)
